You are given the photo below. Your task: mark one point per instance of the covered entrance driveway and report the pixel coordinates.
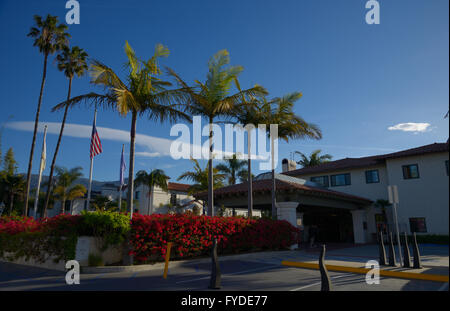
(340, 217)
(333, 224)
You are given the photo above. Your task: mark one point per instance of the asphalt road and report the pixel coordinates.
(237, 275)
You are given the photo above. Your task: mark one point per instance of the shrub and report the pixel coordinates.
(111, 226)
(431, 239)
(95, 260)
(50, 237)
(57, 236)
(193, 235)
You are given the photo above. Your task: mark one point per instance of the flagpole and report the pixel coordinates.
(90, 171)
(121, 181)
(41, 169)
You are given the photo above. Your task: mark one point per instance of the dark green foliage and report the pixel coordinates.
(95, 260)
(110, 226)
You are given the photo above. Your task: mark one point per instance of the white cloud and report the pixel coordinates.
(156, 146)
(411, 127)
(148, 154)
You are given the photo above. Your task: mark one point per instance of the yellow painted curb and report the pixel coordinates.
(388, 273)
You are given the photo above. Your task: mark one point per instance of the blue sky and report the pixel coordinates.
(357, 80)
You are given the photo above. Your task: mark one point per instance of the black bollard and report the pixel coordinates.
(215, 270)
(392, 261)
(326, 283)
(406, 255)
(382, 250)
(416, 254)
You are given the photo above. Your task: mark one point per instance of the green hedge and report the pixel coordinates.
(57, 236)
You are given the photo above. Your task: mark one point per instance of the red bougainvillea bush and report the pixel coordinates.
(193, 235)
(59, 225)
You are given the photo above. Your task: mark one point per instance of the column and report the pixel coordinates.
(359, 233)
(288, 211)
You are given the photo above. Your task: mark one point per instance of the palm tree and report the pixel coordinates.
(212, 99)
(200, 177)
(279, 111)
(232, 168)
(64, 188)
(145, 93)
(49, 37)
(244, 177)
(12, 185)
(42, 196)
(314, 159)
(157, 178)
(72, 62)
(103, 203)
(248, 113)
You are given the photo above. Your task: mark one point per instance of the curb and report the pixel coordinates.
(387, 273)
(160, 265)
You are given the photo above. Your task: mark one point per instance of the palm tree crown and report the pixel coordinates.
(72, 61)
(314, 159)
(156, 177)
(48, 36)
(64, 188)
(213, 99)
(233, 168)
(200, 178)
(144, 93)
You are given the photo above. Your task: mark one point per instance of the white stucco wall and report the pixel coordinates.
(160, 200)
(426, 196)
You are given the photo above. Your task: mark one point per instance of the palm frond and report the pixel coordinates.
(107, 101)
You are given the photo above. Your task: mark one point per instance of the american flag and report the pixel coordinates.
(96, 144)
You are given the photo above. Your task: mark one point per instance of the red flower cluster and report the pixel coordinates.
(14, 224)
(62, 224)
(193, 235)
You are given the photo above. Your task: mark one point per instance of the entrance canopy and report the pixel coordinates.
(287, 189)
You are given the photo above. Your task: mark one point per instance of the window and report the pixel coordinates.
(173, 199)
(372, 177)
(321, 180)
(446, 166)
(418, 224)
(340, 180)
(137, 195)
(410, 171)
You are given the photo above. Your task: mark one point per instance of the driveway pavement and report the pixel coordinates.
(254, 272)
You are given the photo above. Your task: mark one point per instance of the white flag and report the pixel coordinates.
(43, 156)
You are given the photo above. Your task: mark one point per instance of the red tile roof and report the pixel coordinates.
(349, 163)
(178, 187)
(282, 185)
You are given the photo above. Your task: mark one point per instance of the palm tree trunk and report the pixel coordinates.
(151, 199)
(249, 178)
(274, 203)
(63, 205)
(210, 173)
(52, 168)
(150, 193)
(33, 144)
(131, 169)
(11, 203)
